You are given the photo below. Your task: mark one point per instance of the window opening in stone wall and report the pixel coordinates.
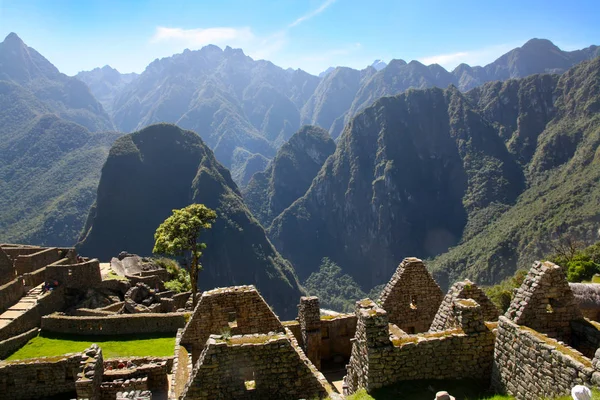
(250, 383)
(413, 302)
(410, 330)
(549, 308)
(232, 319)
(70, 272)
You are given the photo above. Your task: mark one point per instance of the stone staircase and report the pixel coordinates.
(25, 304)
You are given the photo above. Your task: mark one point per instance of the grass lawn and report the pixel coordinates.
(425, 390)
(112, 346)
(466, 389)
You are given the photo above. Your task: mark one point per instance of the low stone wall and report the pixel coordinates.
(40, 377)
(10, 293)
(155, 369)
(79, 276)
(161, 273)
(336, 336)
(109, 390)
(122, 324)
(35, 278)
(89, 377)
(379, 361)
(50, 302)
(182, 368)
(32, 262)
(9, 346)
(91, 312)
(528, 364)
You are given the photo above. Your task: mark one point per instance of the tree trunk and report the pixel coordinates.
(194, 276)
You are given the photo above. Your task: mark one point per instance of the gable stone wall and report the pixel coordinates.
(444, 318)
(411, 297)
(239, 310)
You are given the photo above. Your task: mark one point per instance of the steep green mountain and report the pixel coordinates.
(49, 170)
(49, 165)
(150, 172)
(232, 101)
(106, 83)
(497, 173)
(289, 175)
(405, 176)
(68, 97)
(563, 194)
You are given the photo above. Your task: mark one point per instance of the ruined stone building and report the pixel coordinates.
(232, 345)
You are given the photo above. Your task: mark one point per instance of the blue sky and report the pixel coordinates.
(79, 35)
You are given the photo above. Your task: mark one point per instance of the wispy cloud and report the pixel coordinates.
(472, 57)
(258, 47)
(312, 14)
(200, 37)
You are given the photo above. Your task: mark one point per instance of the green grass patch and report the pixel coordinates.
(112, 346)
(465, 389)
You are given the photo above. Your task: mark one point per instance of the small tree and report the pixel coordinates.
(180, 234)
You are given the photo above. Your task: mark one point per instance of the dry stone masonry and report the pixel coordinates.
(237, 310)
(444, 319)
(412, 297)
(381, 358)
(309, 316)
(545, 302)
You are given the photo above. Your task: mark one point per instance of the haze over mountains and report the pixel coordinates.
(486, 162)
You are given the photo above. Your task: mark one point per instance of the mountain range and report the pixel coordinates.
(246, 109)
(494, 175)
(475, 169)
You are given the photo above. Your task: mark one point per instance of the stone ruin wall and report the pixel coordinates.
(32, 262)
(528, 364)
(238, 309)
(309, 317)
(10, 345)
(122, 324)
(40, 377)
(277, 368)
(79, 276)
(545, 302)
(335, 332)
(378, 360)
(7, 271)
(89, 377)
(444, 318)
(411, 297)
(48, 303)
(182, 368)
(11, 293)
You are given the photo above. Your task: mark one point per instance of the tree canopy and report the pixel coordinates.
(180, 234)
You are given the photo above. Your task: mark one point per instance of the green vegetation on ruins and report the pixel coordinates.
(51, 345)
